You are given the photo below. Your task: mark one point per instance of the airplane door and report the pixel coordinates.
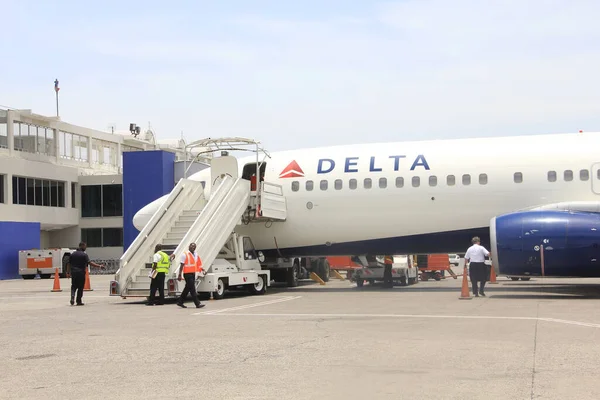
(596, 178)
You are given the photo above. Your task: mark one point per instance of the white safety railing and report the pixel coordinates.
(217, 221)
(183, 196)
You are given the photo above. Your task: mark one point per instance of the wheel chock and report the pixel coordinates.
(316, 278)
(337, 274)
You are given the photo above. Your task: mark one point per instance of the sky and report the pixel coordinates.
(309, 73)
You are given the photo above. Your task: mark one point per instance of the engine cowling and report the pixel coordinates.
(546, 243)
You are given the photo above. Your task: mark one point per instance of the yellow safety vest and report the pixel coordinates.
(164, 263)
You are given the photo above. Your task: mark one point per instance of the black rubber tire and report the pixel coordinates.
(28, 277)
(525, 279)
(216, 294)
(323, 269)
(512, 278)
(263, 289)
(403, 281)
(360, 282)
(292, 274)
(45, 276)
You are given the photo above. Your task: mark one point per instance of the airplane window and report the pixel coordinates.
(598, 174)
(518, 177)
(551, 176)
(451, 180)
(466, 179)
(416, 181)
(568, 175)
(324, 184)
(382, 183)
(309, 185)
(433, 180)
(352, 184)
(368, 183)
(400, 181)
(295, 186)
(338, 184)
(584, 174)
(483, 179)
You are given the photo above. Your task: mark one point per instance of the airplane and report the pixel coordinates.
(533, 200)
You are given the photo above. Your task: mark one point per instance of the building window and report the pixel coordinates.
(568, 175)
(101, 201)
(552, 176)
(584, 175)
(483, 179)
(73, 195)
(91, 201)
(92, 237)
(38, 192)
(352, 184)
(295, 186)
(382, 183)
(416, 181)
(518, 177)
(3, 130)
(72, 146)
(433, 180)
(466, 179)
(324, 184)
(102, 237)
(399, 182)
(112, 200)
(450, 180)
(112, 237)
(309, 185)
(338, 184)
(2, 188)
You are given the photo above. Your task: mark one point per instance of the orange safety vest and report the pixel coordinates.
(388, 260)
(191, 266)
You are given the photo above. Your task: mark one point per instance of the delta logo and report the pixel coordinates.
(293, 170)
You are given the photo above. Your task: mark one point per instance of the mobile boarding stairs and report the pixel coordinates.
(191, 214)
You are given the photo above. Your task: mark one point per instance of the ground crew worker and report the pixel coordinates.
(190, 267)
(477, 269)
(387, 272)
(160, 264)
(78, 263)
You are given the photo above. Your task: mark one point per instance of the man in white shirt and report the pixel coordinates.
(476, 255)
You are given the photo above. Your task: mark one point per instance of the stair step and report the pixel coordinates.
(194, 213)
(175, 235)
(187, 218)
(179, 229)
(184, 224)
(171, 241)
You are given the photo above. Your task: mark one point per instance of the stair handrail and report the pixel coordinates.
(216, 199)
(201, 235)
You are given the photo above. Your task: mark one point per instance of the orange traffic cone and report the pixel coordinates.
(493, 275)
(86, 287)
(56, 287)
(464, 293)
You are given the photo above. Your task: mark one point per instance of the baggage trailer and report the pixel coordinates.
(43, 262)
(434, 266)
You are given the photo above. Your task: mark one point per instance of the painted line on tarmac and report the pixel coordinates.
(262, 303)
(559, 321)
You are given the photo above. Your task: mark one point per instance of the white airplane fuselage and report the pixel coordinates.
(412, 203)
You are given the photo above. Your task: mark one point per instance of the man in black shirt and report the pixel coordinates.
(79, 261)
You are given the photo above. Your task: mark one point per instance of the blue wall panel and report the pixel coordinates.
(15, 236)
(147, 175)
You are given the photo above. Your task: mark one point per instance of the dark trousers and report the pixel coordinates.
(158, 283)
(77, 284)
(478, 274)
(387, 276)
(190, 288)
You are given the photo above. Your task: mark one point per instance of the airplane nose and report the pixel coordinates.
(140, 220)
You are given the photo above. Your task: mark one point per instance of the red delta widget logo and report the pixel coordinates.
(351, 164)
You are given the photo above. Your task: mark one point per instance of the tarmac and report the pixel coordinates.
(525, 340)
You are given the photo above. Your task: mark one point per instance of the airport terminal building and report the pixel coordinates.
(61, 183)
